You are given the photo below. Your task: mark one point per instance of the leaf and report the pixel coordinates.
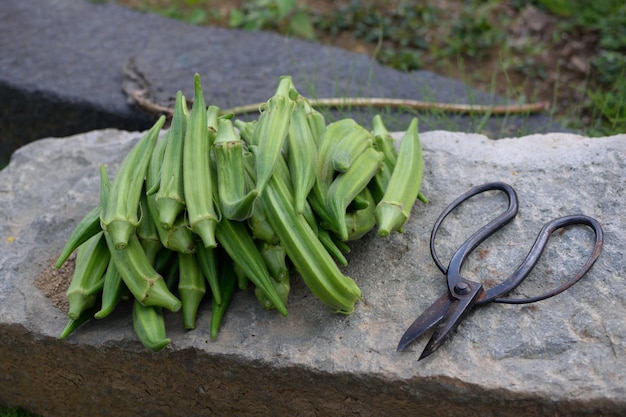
(300, 25)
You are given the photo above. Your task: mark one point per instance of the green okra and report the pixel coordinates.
(282, 289)
(149, 326)
(191, 288)
(74, 324)
(120, 216)
(333, 134)
(243, 282)
(197, 173)
(170, 199)
(275, 260)
(270, 133)
(147, 231)
(112, 291)
(235, 239)
(246, 130)
(88, 227)
(88, 278)
(332, 247)
(179, 236)
(306, 252)
(394, 209)
(346, 150)
(316, 121)
(143, 281)
(301, 155)
(227, 285)
(347, 186)
(235, 203)
(360, 222)
(208, 262)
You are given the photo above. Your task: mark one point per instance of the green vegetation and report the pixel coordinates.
(14, 412)
(473, 40)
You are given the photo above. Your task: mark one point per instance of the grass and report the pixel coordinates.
(14, 412)
(473, 40)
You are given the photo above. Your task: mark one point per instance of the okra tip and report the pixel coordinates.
(159, 296)
(79, 302)
(390, 217)
(120, 232)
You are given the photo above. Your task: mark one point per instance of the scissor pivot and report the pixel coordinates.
(462, 288)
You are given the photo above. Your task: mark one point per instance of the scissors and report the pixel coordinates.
(462, 294)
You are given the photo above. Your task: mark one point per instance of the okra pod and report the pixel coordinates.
(120, 216)
(227, 284)
(301, 155)
(348, 185)
(170, 199)
(88, 278)
(197, 174)
(149, 326)
(394, 210)
(270, 133)
(208, 262)
(112, 291)
(235, 203)
(191, 288)
(235, 239)
(306, 252)
(143, 281)
(88, 227)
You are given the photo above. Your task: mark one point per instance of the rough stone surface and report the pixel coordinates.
(565, 356)
(62, 65)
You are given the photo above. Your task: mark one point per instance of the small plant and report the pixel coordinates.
(284, 16)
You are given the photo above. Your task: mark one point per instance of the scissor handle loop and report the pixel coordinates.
(480, 235)
(497, 294)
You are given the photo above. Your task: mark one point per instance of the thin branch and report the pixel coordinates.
(411, 104)
(137, 88)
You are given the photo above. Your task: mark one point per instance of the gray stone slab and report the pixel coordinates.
(62, 65)
(565, 356)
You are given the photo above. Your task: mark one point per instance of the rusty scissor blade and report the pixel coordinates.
(429, 318)
(454, 315)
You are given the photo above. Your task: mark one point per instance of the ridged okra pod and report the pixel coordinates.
(208, 262)
(170, 199)
(228, 285)
(87, 227)
(301, 155)
(359, 222)
(333, 134)
(120, 216)
(149, 326)
(348, 185)
(235, 239)
(179, 236)
(143, 281)
(112, 291)
(191, 288)
(197, 172)
(394, 210)
(235, 203)
(88, 278)
(306, 252)
(271, 131)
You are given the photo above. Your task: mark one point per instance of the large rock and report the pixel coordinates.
(62, 66)
(563, 356)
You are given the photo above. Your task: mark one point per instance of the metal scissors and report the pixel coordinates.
(462, 294)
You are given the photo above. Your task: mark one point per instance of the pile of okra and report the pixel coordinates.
(214, 204)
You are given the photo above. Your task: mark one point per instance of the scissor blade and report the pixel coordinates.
(429, 318)
(454, 315)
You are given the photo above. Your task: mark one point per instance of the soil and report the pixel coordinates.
(54, 282)
(542, 63)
